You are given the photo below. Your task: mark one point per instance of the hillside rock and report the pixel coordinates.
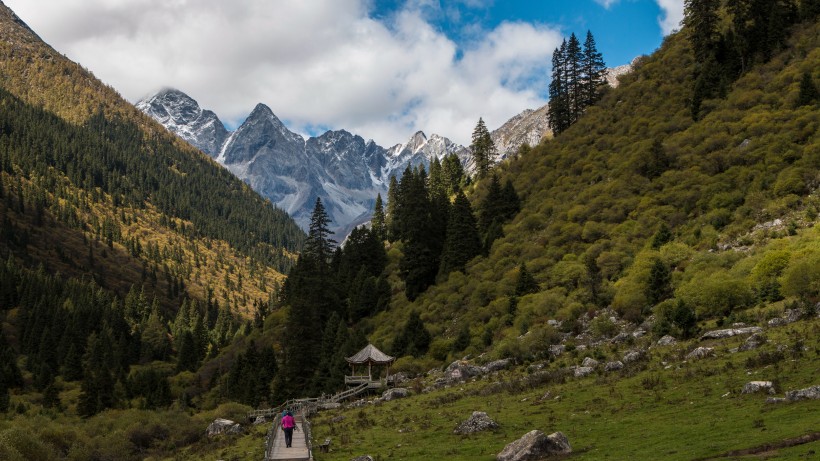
(580, 372)
(362, 458)
(790, 316)
(700, 353)
(667, 341)
(754, 387)
(497, 365)
(589, 362)
(613, 366)
(534, 445)
(461, 370)
(633, 356)
(729, 332)
(557, 349)
(753, 342)
(260, 420)
(809, 393)
(478, 422)
(223, 426)
(395, 393)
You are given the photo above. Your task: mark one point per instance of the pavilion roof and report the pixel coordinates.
(370, 354)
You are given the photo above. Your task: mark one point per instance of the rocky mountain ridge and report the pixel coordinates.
(339, 167)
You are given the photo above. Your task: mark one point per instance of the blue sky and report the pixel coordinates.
(382, 69)
(622, 29)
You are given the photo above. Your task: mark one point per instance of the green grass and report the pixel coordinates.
(678, 411)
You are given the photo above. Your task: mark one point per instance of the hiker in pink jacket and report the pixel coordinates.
(288, 424)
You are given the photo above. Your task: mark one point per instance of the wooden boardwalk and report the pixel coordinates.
(298, 451)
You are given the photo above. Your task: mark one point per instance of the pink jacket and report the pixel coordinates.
(288, 422)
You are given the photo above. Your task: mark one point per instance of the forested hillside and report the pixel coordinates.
(647, 206)
(128, 257)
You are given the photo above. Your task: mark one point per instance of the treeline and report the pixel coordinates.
(441, 236)
(756, 30)
(326, 293)
(115, 158)
(80, 332)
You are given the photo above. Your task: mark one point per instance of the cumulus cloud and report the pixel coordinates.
(672, 15)
(327, 63)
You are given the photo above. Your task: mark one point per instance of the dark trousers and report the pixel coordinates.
(288, 435)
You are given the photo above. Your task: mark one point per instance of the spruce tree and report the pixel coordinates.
(453, 172)
(378, 222)
(659, 286)
(808, 93)
(525, 283)
(701, 20)
(559, 105)
(574, 79)
(463, 243)
(318, 245)
(593, 71)
(392, 201)
(482, 148)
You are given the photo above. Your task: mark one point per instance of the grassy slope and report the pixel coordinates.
(584, 197)
(663, 408)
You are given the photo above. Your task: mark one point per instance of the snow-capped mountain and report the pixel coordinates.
(341, 168)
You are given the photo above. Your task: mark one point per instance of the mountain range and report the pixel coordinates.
(342, 169)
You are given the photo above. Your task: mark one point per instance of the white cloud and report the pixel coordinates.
(606, 3)
(672, 15)
(314, 63)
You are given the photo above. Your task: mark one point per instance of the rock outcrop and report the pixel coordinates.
(729, 332)
(535, 445)
(395, 393)
(755, 387)
(700, 353)
(223, 426)
(478, 422)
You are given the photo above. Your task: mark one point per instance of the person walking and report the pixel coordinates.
(288, 424)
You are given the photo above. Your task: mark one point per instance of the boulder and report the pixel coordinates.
(700, 353)
(729, 332)
(260, 420)
(613, 366)
(580, 372)
(223, 426)
(589, 362)
(621, 338)
(395, 393)
(638, 333)
(337, 419)
(398, 378)
(809, 393)
(461, 370)
(753, 342)
(667, 341)
(534, 445)
(754, 387)
(789, 316)
(497, 365)
(362, 458)
(633, 356)
(478, 422)
(557, 349)
(329, 405)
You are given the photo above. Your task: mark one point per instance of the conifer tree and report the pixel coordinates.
(808, 93)
(453, 172)
(574, 78)
(701, 20)
(378, 222)
(392, 201)
(318, 245)
(593, 71)
(482, 148)
(414, 339)
(659, 286)
(525, 283)
(559, 103)
(463, 243)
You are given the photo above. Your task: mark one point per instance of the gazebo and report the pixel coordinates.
(370, 355)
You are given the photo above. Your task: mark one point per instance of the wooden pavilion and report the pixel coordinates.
(370, 355)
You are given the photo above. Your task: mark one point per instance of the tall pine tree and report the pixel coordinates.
(482, 148)
(463, 243)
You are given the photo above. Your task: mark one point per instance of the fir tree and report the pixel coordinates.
(392, 202)
(559, 103)
(525, 283)
(378, 222)
(482, 148)
(453, 172)
(593, 71)
(701, 20)
(808, 93)
(463, 243)
(318, 245)
(414, 339)
(659, 286)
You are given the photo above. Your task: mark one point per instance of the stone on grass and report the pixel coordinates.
(621, 338)
(633, 356)
(589, 362)
(260, 420)
(809, 393)
(478, 422)
(534, 445)
(701, 353)
(362, 458)
(667, 341)
(461, 370)
(614, 366)
(729, 332)
(497, 365)
(753, 342)
(580, 372)
(223, 426)
(754, 387)
(395, 393)
(557, 349)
